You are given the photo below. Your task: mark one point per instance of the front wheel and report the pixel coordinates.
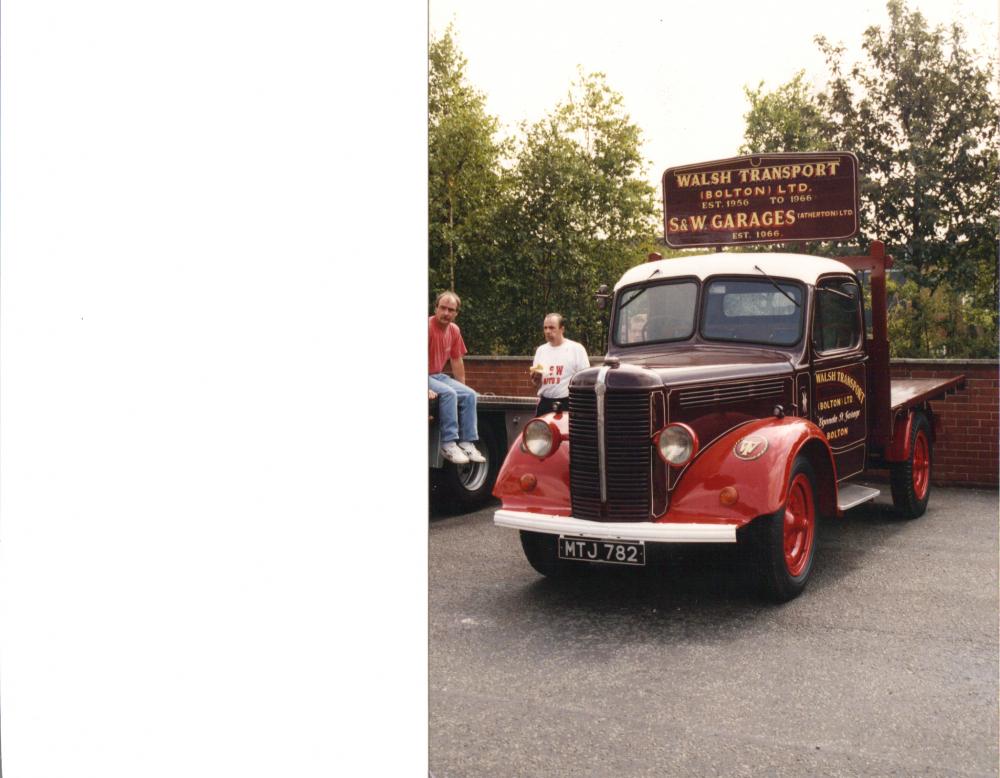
(780, 548)
(910, 481)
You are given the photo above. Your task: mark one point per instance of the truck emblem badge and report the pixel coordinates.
(750, 447)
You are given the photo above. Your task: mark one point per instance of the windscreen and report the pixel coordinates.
(656, 313)
(753, 311)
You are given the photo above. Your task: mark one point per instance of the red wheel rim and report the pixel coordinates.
(799, 525)
(921, 466)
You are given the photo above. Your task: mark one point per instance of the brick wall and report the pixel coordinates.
(500, 375)
(966, 451)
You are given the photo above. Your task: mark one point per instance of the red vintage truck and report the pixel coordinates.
(740, 395)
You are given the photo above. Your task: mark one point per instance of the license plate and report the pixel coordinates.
(609, 552)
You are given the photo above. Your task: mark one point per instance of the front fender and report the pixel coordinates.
(759, 477)
(551, 492)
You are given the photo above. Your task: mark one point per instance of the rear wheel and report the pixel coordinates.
(469, 486)
(779, 549)
(911, 480)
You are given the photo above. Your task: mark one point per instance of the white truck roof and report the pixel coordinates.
(801, 267)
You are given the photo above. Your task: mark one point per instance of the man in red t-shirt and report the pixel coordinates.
(456, 401)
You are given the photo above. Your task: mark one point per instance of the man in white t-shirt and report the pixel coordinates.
(556, 361)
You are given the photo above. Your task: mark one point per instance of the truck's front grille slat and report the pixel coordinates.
(628, 452)
(716, 395)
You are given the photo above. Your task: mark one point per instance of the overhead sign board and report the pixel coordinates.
(764, 198)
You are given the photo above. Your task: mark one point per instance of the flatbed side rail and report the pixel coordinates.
(506, 402)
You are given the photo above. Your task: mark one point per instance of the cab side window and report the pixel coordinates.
(837, 321)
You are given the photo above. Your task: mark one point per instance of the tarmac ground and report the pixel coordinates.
(887, 664)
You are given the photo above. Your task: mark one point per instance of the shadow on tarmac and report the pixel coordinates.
(704, 580)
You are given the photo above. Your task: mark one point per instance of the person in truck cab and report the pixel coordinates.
(456, 401)
(556, 362)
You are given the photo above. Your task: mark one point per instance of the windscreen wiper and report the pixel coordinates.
(837, 292)
(775, 285)
(638, 291)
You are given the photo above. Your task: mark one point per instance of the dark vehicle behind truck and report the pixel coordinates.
(466, 487)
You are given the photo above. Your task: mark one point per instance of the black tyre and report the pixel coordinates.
(541, 553)
(779, 549)
(911, 480)
(470, 486)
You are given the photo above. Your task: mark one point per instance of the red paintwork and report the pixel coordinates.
(921, 465)
(551, 493)
(799, 524)
(899, 449)
(908, 395)
(762, 483)
(696, 497)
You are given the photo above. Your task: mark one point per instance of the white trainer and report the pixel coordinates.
(453, 453)
(470, 450)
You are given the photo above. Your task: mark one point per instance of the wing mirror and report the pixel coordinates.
(601, 296)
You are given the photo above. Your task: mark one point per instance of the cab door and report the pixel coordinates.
(839, 375)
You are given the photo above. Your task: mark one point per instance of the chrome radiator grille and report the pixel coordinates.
(628, 455)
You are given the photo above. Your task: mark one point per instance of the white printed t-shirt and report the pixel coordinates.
(559, 364)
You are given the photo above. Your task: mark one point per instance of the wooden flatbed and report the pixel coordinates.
(909, 392)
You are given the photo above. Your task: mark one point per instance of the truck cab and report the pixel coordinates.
(739, 397)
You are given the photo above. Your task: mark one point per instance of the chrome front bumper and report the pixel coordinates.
(637, 530)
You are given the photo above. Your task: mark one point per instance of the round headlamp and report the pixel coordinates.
(541, 438)
(676, 444)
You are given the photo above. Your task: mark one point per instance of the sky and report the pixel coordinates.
(681, 68)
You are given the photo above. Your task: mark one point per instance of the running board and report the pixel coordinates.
(849, 495)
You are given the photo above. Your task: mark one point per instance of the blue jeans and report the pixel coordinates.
(456, 408)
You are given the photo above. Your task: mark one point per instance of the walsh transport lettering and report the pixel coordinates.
(761, 199)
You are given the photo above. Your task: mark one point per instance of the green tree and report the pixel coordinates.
(580, 214)
(921, 113)
(790, 118)
(463, 165)
(937, 323)
(920, 110)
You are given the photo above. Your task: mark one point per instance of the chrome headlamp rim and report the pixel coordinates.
(676, 444)
(540, 438)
